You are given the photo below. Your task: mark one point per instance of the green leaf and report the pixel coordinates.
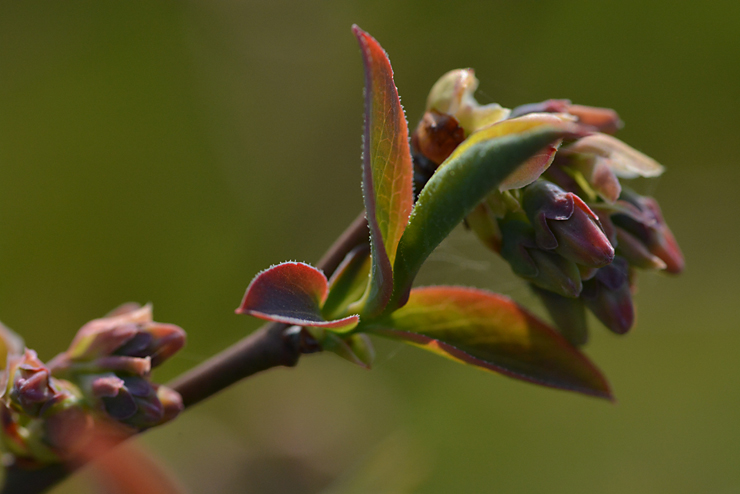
(292, 293)
(348, 282)
(461, 182)
(357, 348)
(387, 170)
(10, 345)
(492, 332)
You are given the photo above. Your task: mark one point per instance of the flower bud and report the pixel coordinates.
(452, 95)
(42, 417)
(29, 387)
(171, 402)
(602, 119)
(646, 225)
(568, 315)
(603, 159)
(437, 136)
(609, 297)
(131, 400)
(636, 253)
(128, 341)
(565, 224)
(545, 269)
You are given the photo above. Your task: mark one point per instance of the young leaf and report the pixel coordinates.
(387, 171)
(533, 167)
(357, 348)
(291, 293)
(460, 183)
(492, 332)
(348, 282)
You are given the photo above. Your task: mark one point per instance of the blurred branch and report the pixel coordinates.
(264, 349)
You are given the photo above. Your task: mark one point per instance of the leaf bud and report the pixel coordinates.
(568, 314)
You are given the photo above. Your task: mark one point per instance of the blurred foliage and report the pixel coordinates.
(166, 152)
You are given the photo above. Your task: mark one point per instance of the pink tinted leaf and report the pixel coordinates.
(492, 332)
(291, 293)
(387, 178)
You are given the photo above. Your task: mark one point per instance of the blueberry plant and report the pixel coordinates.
(539, 185)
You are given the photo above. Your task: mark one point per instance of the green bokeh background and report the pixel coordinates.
(166, 152)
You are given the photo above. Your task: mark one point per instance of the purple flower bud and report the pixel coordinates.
(127, 341)
(131, 400)
(565, 224)
(568, 315)
(636, 253)
(156, 340)
(645, 223)
(30, 388)
(546, 269)
(609, 297)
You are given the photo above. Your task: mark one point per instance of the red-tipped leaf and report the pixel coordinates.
(387, 170)
(291, 293)
(492, 332)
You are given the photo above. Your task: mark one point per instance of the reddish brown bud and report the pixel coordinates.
(437, 136)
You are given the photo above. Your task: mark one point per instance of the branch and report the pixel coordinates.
(268, 346)
(264, 349)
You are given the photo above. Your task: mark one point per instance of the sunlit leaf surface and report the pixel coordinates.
(387, 177)
(492, 332)
(531, 169)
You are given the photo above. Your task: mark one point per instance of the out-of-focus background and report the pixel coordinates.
(166, 152)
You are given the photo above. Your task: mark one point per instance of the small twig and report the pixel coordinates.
(264, 349)
(261, 350)
(355, 234)
(268, 346)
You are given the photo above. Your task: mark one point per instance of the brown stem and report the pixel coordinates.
(266, 348)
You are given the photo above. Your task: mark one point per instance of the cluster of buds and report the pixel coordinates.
(563, 222)
(50, 411)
